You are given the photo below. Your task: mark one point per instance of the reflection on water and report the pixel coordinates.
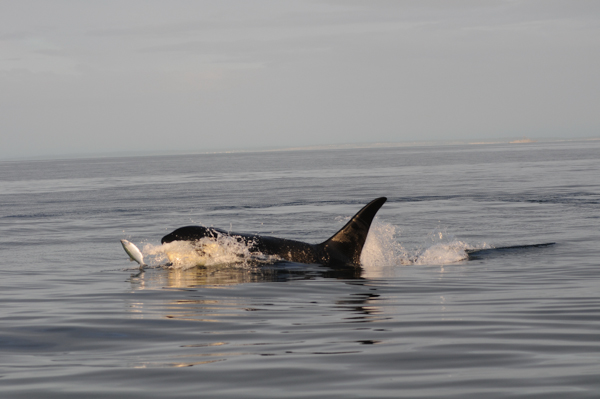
(238, 312)
(226, 278)
(361, 307)
(223, 276)
(145, 365)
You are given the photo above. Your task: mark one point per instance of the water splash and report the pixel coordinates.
(442, 248)
(383, 248)
(223, 250)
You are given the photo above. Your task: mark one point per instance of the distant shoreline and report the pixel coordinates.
(325, 147)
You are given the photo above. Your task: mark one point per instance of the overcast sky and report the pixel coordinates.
(102, 76)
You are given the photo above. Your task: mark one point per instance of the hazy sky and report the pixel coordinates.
(101, 76)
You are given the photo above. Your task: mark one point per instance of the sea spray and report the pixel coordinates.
(223, 250)
(441, 248)
(384, 249)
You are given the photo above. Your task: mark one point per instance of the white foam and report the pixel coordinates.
(206, 252)
(383, 248)
(442, 254)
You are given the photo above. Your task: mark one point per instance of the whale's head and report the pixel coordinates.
(189, 233)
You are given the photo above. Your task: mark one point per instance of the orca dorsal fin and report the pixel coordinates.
(345, 246)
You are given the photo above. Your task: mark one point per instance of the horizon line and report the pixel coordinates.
(321, 147)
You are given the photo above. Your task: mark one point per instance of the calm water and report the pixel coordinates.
(417, 321)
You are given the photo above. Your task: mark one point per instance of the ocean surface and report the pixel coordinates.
(421, 319)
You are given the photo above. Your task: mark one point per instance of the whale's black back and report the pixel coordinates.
(342, 249)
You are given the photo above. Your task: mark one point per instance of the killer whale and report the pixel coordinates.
(343, 249)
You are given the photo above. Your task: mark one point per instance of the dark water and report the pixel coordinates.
(416, 322)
